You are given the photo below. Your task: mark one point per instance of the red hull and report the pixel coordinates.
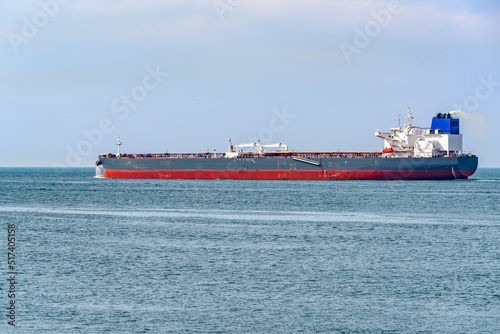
(284, 174)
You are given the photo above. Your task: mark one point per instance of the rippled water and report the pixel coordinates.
(223, 256)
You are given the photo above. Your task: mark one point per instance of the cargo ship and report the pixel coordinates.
(409, 153)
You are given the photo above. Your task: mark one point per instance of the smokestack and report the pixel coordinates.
(473, 119)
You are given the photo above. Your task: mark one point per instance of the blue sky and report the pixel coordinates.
(75, 75)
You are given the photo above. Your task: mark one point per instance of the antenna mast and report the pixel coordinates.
(409, 117)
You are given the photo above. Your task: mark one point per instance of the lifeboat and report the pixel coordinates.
(387, 150)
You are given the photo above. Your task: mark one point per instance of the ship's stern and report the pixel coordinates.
(466, 167)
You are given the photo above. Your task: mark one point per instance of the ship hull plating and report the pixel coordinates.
(272, 168)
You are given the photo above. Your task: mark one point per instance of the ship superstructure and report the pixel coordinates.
(443, 138)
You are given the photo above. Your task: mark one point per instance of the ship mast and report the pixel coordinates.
(119, 143)
(231, 147)
(409, 118)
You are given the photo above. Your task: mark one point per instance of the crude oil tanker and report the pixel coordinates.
(409, 153)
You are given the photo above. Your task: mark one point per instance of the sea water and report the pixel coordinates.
(96, 255)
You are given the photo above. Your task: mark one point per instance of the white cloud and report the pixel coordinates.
(327, 8)
(120, 6)
(419, 20)
(426, 21)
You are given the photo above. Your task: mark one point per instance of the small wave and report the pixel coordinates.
(252, 215)
(485, 180)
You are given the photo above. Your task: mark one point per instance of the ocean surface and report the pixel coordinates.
(219, 256)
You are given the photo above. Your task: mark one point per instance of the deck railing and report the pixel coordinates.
(307, 155)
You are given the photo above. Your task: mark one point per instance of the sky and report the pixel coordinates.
(185, 76)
